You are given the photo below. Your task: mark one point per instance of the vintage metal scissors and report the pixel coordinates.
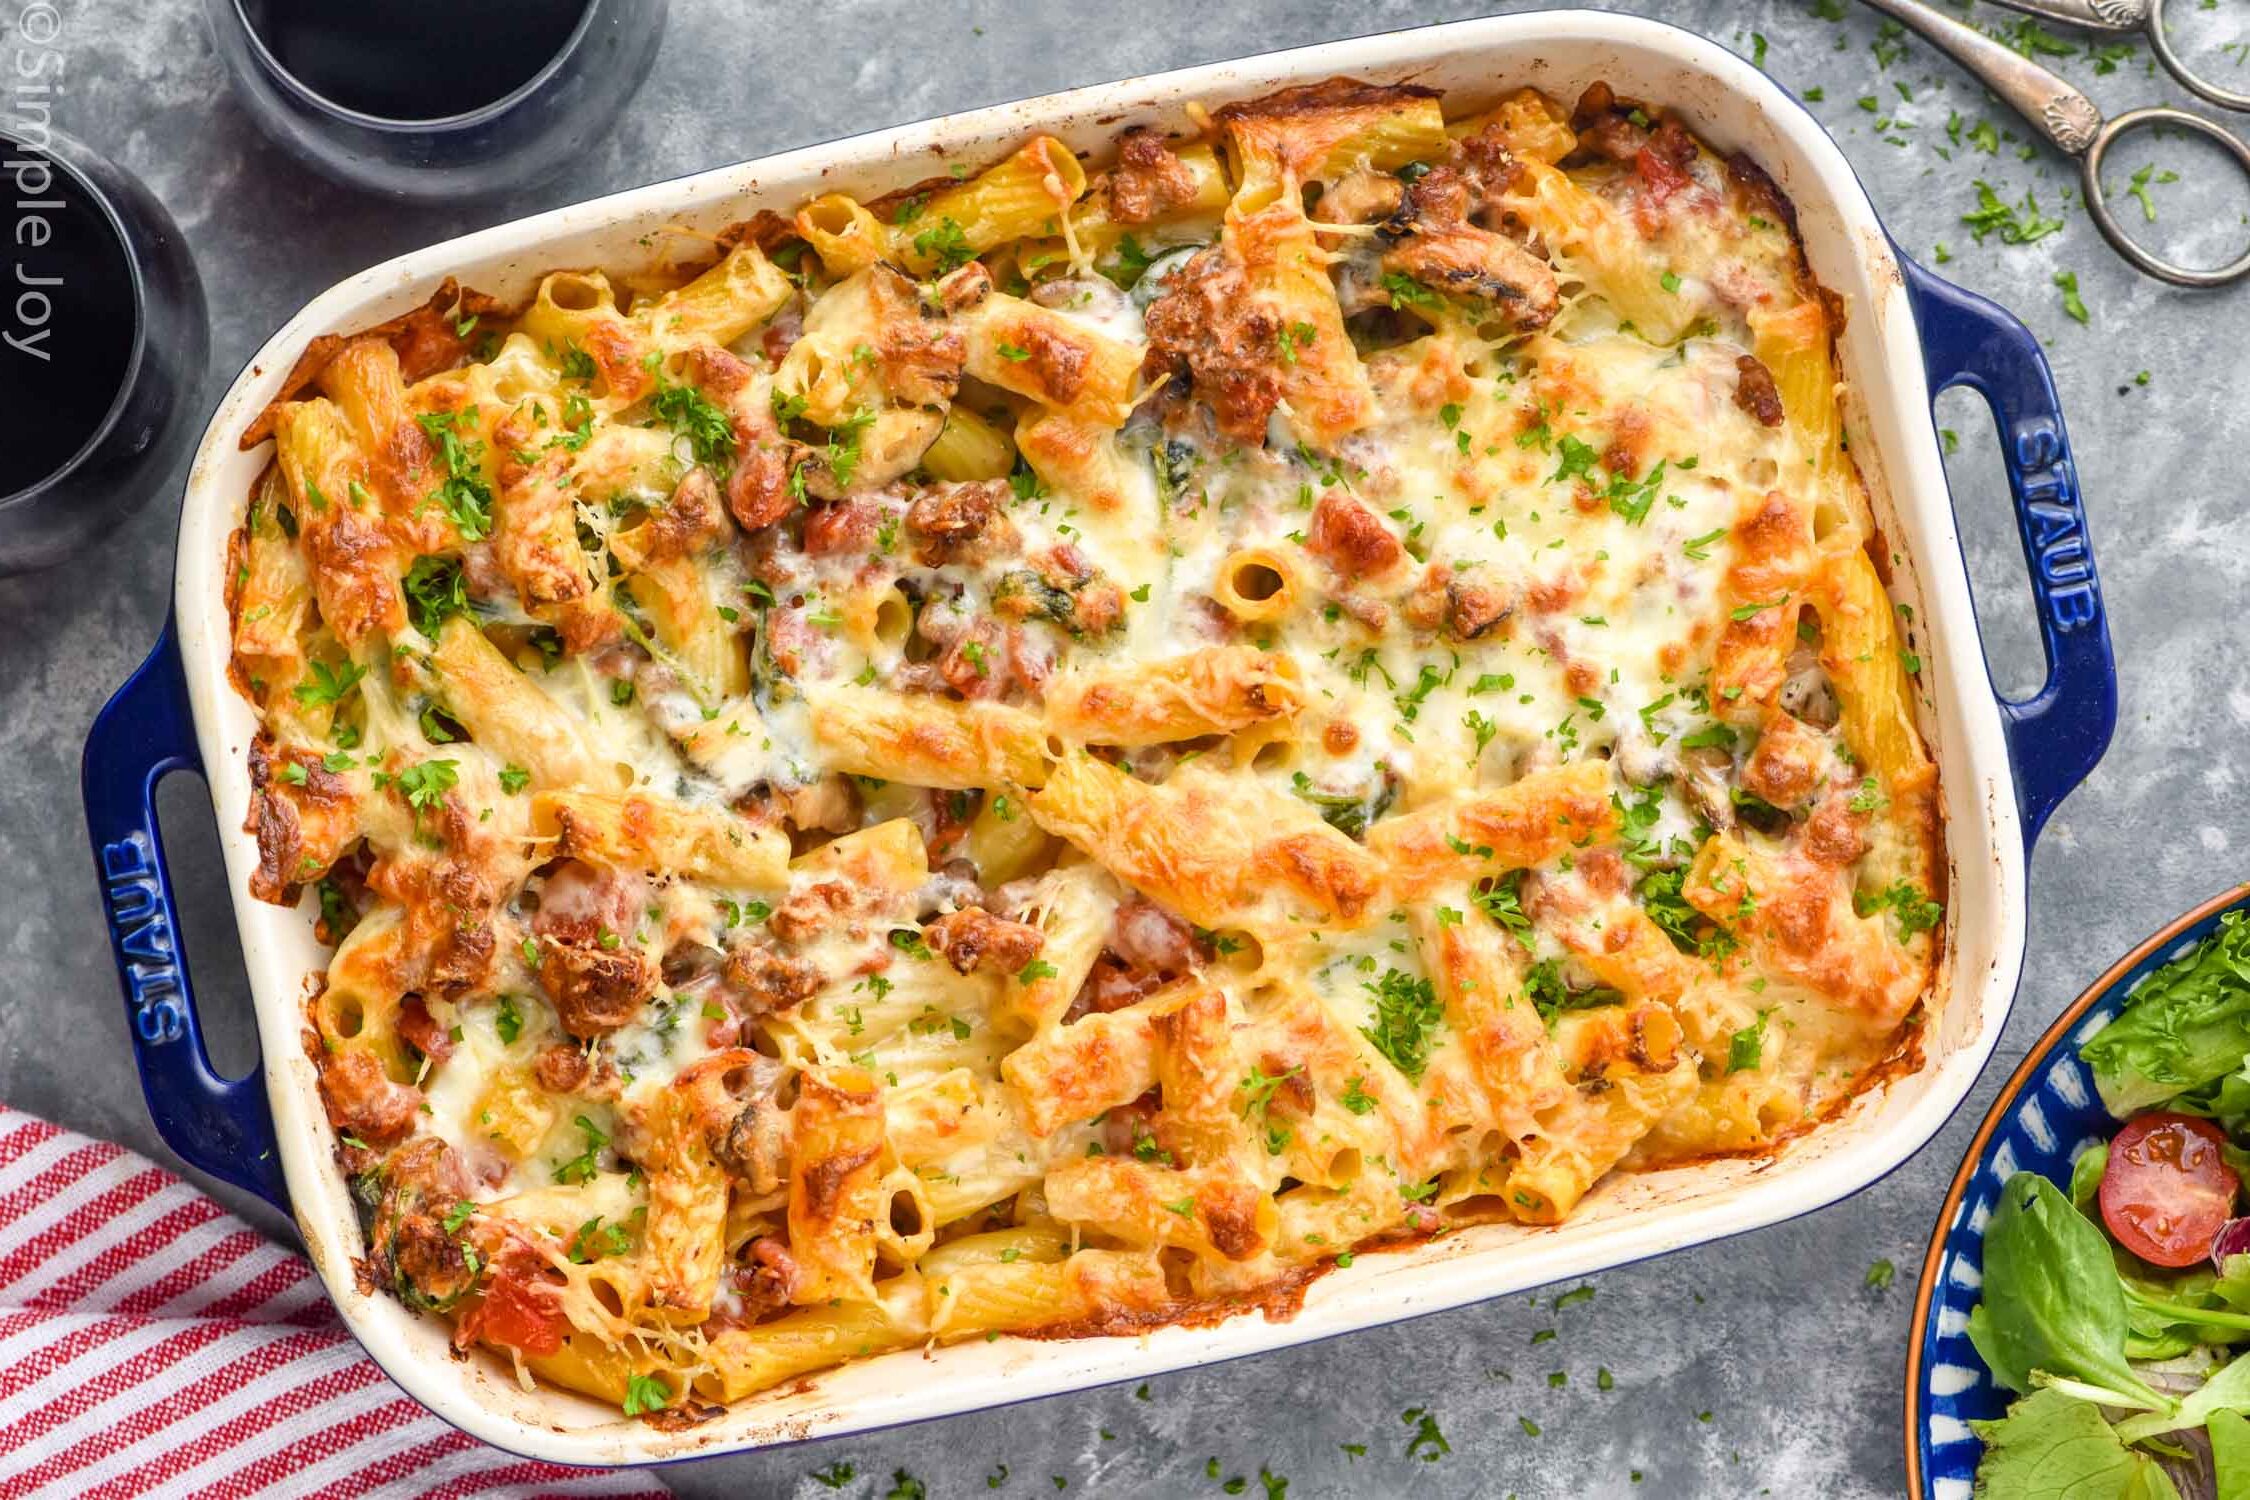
(2066, 117)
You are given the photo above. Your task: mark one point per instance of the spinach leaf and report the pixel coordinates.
(2185, 1026)
(2086, 1177)
(2052, 1301)
(2049, 1447)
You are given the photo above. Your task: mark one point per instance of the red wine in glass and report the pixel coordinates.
(103, 339)
(437, 98)
(413, 60)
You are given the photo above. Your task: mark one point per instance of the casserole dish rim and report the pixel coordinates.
(1983, 829)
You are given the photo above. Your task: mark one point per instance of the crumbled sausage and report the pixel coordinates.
(769, 1283)
(811, 911)
(1604, 131)
(1148, 180)
(758, 492)
(422, 1032)
(769, 981)
(578, 902)
(595, 990)
(561, 1068)
(1755, 393)
(1208, 327)
(1786, 765)
(1465, 602)
(921, 356)
(952, 519)
(362, 1100)
(1351, 538)
(1835, 835)
(973, 938)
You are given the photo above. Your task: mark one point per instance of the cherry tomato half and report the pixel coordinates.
(2167, 1188)
(519, 1312)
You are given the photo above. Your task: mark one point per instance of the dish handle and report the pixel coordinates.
(2057, 735)
(145, 732)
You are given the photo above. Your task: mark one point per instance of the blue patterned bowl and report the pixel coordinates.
(2044, 1114)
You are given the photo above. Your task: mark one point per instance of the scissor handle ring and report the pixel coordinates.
(2169, 60)
(2097, 202)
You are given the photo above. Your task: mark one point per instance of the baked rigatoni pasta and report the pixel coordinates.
(1063, 749)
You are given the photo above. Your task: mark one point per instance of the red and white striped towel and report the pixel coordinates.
(152, 1343)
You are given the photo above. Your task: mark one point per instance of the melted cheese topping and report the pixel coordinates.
(841, 833)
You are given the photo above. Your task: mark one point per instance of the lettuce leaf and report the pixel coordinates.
(2186, 1025)
(2051, 1447)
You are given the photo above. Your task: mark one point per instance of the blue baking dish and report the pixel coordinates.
(2004, 764)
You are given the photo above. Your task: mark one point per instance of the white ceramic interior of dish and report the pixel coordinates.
(1734, 107)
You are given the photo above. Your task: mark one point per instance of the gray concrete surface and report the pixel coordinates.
(1763, 1364)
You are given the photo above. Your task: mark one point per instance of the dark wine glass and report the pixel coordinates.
(103, 339)
(436, 98)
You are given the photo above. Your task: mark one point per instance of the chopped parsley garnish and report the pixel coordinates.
(945, 246)
(1632, 498)
(1747, 1047)
(1406, 1010)
(1405, 291)
(706, 426)
(1356, 1098)
(508, 1022)
(514, 779)
(434, 589)
(2073, 304)
(1710, 736)
(646, 1393)
(328, 684)
(595, 1239)
(1427, 1443)
(1502, 901)
(1916, 912)
(1257, 1089)
(425, 784)
(843, 451)
(1543, 982)
(582, 1167)
(463, 494)
(2020, 225)
(1575, 460)
(1130, 261)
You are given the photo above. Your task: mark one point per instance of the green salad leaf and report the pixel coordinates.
(2230, 1453)
(2052, 1301)
(2187, 1025)
(2049, 1447)
(2086, 1177)
(2228, 1391)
